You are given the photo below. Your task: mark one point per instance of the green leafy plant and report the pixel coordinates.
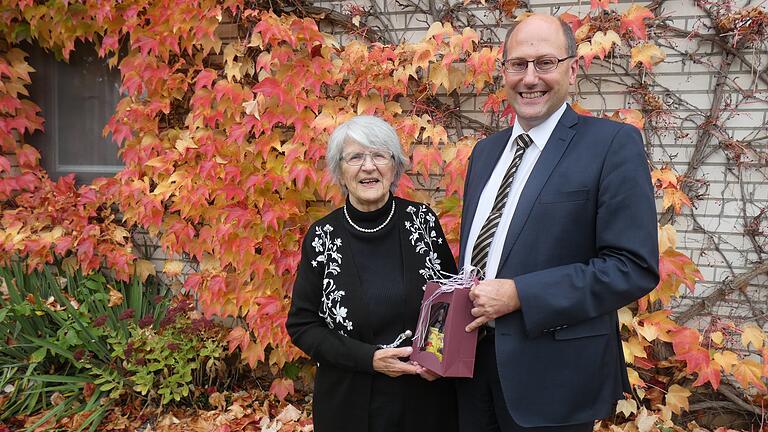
(73, 344)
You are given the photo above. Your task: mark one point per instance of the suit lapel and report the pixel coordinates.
(482, 168)
(559, 140)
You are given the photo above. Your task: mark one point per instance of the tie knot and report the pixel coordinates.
(524, 140)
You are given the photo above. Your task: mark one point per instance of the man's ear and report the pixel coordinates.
(573, 70)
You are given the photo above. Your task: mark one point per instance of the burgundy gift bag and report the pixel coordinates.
(441, 344)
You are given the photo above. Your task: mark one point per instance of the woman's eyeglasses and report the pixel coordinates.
(378, 157)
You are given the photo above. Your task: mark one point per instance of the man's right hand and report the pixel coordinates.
(387, 361)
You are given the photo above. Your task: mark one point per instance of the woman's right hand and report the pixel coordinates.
(387, 361)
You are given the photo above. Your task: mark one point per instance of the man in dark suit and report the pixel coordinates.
(559, 213)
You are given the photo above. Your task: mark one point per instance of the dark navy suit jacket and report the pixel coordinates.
(582, 243)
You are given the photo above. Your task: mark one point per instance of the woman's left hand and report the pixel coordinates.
(425, 373)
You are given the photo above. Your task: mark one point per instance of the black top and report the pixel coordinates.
(356, 290)
(379, 262)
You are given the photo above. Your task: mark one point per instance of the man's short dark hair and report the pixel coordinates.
(570, 38)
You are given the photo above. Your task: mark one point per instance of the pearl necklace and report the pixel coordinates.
(370, 230)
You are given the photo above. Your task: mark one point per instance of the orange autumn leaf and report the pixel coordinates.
(580, 109)
(601, 4)
(677, 398)
(676, 264)
(426, 159)
(686, 344)
(281, 387)
(765, 362)
(438, 31)
(664, 178)
(629, 116)
(633, 20)
(708, 373)
(634, 347)
(656, 325)
(573, 21)
(749, 372)
(677, 199)
(752, 335)
(600, 45)
(726, 360)
(647, 54)
(115, 297)
(253, 354)
(238, 337)
(465, 41)
(667, 238)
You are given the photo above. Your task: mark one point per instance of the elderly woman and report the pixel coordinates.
(358, 290)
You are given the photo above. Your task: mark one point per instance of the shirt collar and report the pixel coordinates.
(541, 133)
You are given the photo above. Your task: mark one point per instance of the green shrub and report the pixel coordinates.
(73, 343)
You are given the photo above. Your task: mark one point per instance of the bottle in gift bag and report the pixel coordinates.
(434, 340)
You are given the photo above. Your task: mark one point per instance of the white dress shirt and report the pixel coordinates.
(540, 135)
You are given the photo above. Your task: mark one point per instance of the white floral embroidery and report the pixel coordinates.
(332, 310)
(422, 235)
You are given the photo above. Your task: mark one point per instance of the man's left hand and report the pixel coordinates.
(492, 299)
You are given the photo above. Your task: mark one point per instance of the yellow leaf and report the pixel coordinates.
(664, 178)
(356, 20)
(173, 267)
(626, 407)
(369, 104)
(677, 398)
(438, 74)
(582, 32)
(252, 108)
(667, 237)
(439, 30)
(69, 264)
(635, 380)
(393, 107)
(604, 42)
(726, 360)
(119, 234)
(625, 317)
(645, 421)
(52, 235)
(675, 198)
(716, 337)
(209, 263)
(648, 54)
(144, 268)
(184, 142)
(424, 54)
(455, 78)
(749, 372)
(254, 353)
(115, 297)
(256, 40)
(752, 334)
(634, 347)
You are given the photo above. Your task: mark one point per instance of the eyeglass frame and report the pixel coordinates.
(527, 62)
(369, 155)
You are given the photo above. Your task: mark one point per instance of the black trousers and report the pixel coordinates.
(481, 403)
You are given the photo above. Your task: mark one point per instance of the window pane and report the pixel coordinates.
(77, 99)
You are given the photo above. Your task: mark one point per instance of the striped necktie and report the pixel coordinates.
(483, 243)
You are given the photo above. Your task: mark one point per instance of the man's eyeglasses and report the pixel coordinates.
(378, 157)
(541, 64)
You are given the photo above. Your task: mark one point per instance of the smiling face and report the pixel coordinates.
(368, 184)
(536, 95)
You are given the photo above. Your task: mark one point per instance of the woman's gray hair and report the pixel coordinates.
(370, 132)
